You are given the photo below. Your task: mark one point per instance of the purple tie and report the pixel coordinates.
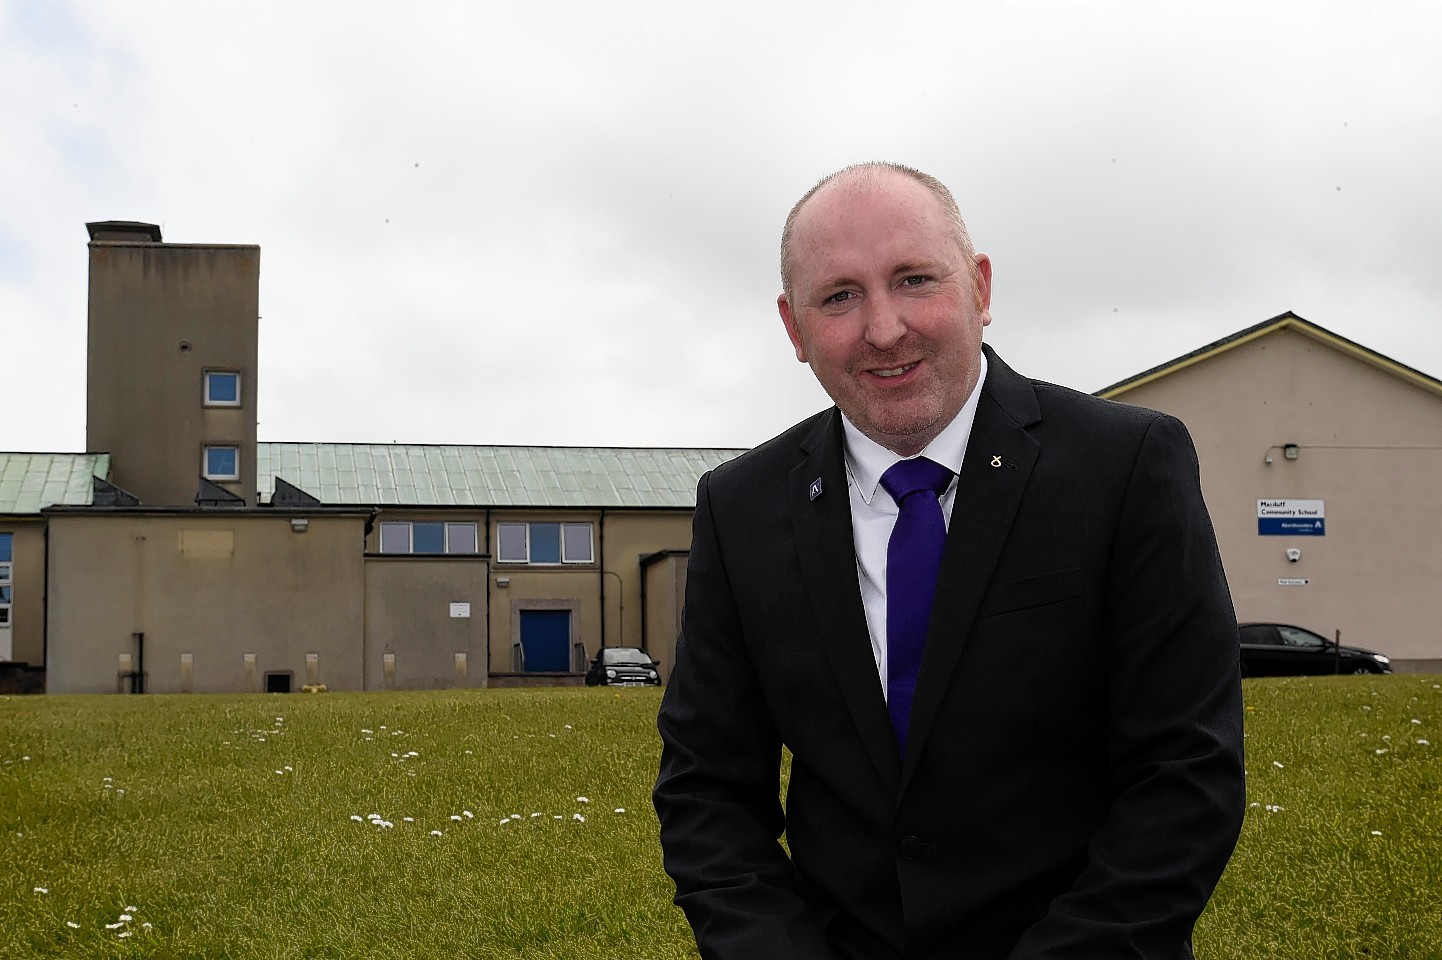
(913, 559)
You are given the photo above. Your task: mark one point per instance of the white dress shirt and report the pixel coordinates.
(873, 512)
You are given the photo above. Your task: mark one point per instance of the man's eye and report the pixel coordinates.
(840, 296)
(914, 281)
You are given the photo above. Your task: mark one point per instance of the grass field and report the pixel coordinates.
(454, 825)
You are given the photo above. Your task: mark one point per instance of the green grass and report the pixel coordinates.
(173, 806)
(1350, 866)
(225, 857)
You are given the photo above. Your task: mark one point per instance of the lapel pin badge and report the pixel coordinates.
(815, 489)
(997, 461)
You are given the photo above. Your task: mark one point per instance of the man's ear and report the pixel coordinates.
(983, 287)
(787, 317)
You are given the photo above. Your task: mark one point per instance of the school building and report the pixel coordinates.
(181, 554)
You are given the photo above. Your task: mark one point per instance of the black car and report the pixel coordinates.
(623, 667)
(1282, 650)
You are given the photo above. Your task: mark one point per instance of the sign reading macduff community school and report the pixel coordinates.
(1291, 518)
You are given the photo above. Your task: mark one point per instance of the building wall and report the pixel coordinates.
(420, 613)
(215, 585)
(1369, 445)
(629, 537)
(27, 607)
(665, 600)
(160, 315)
(620, 539)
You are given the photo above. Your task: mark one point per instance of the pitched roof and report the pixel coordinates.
(447, 474)
(1286, 321)
(29, 482)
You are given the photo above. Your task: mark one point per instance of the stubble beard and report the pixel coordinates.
(902, 424)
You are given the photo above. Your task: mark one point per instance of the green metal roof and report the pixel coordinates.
(448, 475)
(29, 482)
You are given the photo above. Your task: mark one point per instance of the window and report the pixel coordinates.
(7, 547)
(427, 536)
(1297, 637)
(543, 543)
(222, 388)
(222, 463)
(461, 538)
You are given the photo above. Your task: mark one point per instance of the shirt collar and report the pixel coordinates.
(867, 460)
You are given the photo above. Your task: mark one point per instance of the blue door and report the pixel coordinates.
(546, 640)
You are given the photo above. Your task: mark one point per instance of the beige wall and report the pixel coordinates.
(665, 599)
(214, 585)
(408, 613)
(218, 584)
(27, 572)
(1370, 446)
(628, 536)
(542, 588)
(159, 316)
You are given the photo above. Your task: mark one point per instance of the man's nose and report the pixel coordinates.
(885, 322)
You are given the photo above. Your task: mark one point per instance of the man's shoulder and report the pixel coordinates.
(1091, 429)
(1058, 401)
(1029, 401)
(777, 457)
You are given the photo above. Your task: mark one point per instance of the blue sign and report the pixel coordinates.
(1292, 526)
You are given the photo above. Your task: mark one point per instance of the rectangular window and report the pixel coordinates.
(460, 538)
(511, 542)
(428, 537)
(222, 463)
(7, 555)
(395, 538)
(576, 542)
(544, 543)
(222, 388)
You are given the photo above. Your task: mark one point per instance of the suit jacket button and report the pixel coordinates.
(910, 848)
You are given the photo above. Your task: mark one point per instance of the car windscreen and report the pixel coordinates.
(615, 655)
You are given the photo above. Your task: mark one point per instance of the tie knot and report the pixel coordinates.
(905, 477)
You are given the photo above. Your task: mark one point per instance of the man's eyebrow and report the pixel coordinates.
(933, 267)
(919, 266)
(833, 283)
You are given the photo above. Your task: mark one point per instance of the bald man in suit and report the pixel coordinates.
(1009, 689)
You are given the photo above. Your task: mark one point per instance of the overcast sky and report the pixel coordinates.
(556, 222)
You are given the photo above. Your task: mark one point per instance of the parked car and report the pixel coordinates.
(1282, 650)
(623, 667)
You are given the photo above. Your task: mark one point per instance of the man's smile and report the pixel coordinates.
(887, 373)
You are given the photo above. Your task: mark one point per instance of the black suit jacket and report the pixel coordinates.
(1072, 785)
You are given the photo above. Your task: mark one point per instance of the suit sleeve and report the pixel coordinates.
(1175, 721)
(717, 794)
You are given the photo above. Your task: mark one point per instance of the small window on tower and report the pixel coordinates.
(222, 463)
(222, 388)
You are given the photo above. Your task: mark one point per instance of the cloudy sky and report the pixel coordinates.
(556, 222)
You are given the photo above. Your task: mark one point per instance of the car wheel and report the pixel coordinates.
(1360, 669)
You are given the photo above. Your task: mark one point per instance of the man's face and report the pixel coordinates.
(884, 308)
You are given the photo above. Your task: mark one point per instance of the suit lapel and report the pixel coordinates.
(999, 458)
(827, 554)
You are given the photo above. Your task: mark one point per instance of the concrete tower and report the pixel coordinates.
(171, 377)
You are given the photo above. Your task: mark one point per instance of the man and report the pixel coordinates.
(1010, 695)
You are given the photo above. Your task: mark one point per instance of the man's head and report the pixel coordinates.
(885, 298)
